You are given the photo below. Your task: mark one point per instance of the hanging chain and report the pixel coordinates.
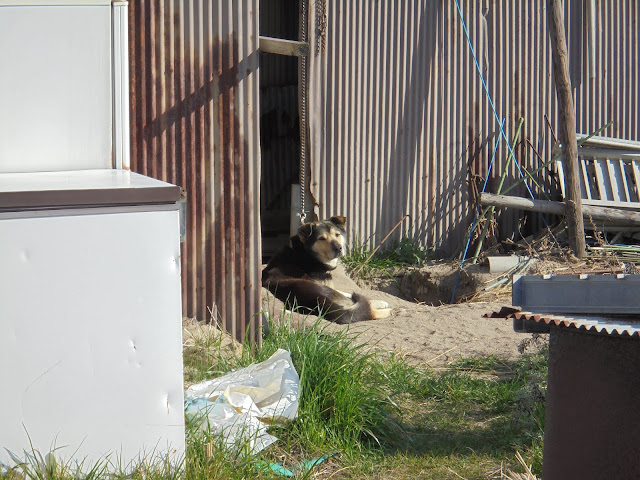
(303, 114)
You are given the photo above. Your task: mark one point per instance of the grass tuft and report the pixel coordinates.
(342, 405)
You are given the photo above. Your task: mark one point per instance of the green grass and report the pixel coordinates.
(384, 417)
(401, 253)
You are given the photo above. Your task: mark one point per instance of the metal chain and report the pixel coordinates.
(303, 114)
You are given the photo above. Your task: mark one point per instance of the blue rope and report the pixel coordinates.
(502, 135)
(486, 89)
(493, 156)
(477, 217)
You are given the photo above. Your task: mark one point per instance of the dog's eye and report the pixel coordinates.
(323, 237)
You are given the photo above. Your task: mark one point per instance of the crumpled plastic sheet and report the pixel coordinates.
(240, 405)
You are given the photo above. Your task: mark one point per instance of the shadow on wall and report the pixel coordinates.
(187, 128)
(420, 96)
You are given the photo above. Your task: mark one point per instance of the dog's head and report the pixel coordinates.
(325, 240)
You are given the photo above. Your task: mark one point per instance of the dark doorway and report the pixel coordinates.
(279, 123)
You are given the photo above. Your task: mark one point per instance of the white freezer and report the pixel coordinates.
(64, 85)
(90, 317)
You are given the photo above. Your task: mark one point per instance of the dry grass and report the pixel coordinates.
(202, 335)
(508, 474)
(204, 346)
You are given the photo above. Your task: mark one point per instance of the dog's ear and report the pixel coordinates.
(304, 232)
(339, 222)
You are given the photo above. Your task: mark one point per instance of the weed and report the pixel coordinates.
(402, 253)
(342, 405)
(37, 466)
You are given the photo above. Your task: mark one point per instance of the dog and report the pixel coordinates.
(300, 275)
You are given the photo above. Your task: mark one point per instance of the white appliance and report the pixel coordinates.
(90, 305)
(64, 85)
(90, 317)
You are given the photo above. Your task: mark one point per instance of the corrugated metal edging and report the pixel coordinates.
(594, 324)
(400, 123)
(194, 116)
(599, 324)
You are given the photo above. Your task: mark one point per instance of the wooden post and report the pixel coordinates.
(567, 130)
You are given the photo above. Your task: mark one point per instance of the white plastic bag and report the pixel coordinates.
(240, 405)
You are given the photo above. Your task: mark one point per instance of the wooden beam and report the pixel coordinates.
(280, 46)
(625, 155)
(626, 217)
(567, 130)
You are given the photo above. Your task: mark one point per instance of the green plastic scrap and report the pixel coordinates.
(302, 467)
(275, 467)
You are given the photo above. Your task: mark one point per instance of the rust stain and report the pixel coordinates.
(186, 130)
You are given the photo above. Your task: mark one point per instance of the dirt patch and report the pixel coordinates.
(422, 333)
(437, 283)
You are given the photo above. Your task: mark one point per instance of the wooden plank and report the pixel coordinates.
(607, 142)
(602, 180)
(612, 204)
(585, 152)
(585, 183)
(631, 182)
(627, 217)
(280, 46)
(613, 181)
(621, 178)
(636, 177)
(561, 177)
(607, 153)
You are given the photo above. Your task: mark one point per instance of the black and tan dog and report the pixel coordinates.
(300, 275)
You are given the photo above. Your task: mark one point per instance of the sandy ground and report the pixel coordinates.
(421, 333)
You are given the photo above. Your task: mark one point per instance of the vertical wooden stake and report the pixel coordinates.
(567, 130)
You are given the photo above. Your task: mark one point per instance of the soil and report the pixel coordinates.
(428, 329)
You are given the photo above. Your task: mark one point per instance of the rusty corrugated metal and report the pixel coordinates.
(592, 419)
(399, 120)
(194, 122)
(626, 326)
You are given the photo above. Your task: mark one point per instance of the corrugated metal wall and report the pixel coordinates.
(194, 122)
(399, 121)
(614, 92)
